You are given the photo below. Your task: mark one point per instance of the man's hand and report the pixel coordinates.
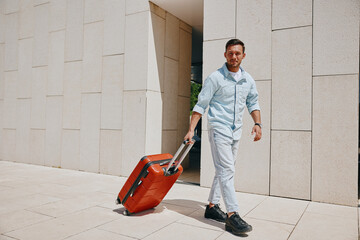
(257, 130)
(189, 137)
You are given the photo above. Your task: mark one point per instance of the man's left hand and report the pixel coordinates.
(257, 130)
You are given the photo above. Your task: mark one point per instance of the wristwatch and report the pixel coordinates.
(259, 124)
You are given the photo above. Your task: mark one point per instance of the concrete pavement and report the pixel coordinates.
(43, 203)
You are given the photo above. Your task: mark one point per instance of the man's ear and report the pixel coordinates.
(244, 55)
(225, 54)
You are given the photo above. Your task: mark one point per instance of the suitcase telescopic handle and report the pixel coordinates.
(182, 156)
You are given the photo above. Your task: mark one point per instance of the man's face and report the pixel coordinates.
(234, 55)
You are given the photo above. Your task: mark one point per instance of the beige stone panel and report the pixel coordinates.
(1, 128)
(157, 10)
(95, 233)
(37, 146)
(253, 159)
(11, 6)
(9, 144)
(9, 117)
(2, 24)
(134, 130)
(169, 141)
(38, 97)
(134, 6)
(327, 227)
(207, 170)
(90, 132)
(72, 95)
(25, 68)
(38, 2)
(291, 79)
(57, 15)
(11, 42)
(185, 26)
(170, 94)
(291, 164)
(257, 37)
(2, 74)
(153, 122)
(333, 210)
(156, 54)
(329, 31)
(172, 36)
(335, 139)
(94, 11)
(288, 14)
(23, 130)
(74, 36)
(41, 35)
(213, 56)
(70, 149)
(114, 27)
(56, 63)
(185, 64)
(112, 92)
(136, 51)
(26, 19)
(219, 19)
(92, 63)
(183, 121)
(110, 152)
(53, 135)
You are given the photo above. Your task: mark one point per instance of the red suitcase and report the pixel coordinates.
(151, 180)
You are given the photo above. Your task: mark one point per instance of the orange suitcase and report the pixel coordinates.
(151, 180)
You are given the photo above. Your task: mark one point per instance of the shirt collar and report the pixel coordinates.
(227, 72)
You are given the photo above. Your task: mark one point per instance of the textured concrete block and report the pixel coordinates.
(134, 130)
(112, 92)
(329, 31)
(53, 135)
(213, 56)
(170, 94)
(291, 76)
(110, 152)
(94, 11)
(172, 36)
(2, 22)
(74, 30)
(156, 52)
(134, 6)
(335, 139)
(11, 42)
(41, 35)
(70, 150)
(207, 170)
(90, 132)
(56, 63)
(136, 47)
(38, 98)
(185, 64)
(2, 74)
(37, 146)
(23, 130)
(287, 14)
(72, 95)
(169, 141)
(1, 127)
(26, 19)
(12, 6)
(257, 37)
(57, 15)
(291, 164)
(114, 27)
(9, 117)
(253, 160)
(219, 19)
(153, 126)
(9, 144)
(92, 64)
(25, 68)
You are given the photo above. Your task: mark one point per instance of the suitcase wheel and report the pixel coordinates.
(117, 201)
(126, 213)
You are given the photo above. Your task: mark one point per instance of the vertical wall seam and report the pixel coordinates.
(312, 99)
(270, 128)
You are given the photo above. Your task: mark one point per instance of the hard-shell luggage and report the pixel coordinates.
(151, 180)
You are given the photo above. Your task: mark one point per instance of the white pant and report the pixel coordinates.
(224, 150)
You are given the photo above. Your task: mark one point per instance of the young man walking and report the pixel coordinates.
(226, 92)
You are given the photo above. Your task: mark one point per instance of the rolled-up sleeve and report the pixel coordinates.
(252, 102)
(205, 95)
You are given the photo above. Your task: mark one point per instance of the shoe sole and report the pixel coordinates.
(229, 229)
(218, 220)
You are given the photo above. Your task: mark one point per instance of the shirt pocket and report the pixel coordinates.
(242, 93)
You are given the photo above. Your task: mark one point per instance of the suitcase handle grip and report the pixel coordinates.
(177, 155)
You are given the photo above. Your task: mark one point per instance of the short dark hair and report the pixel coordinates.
(235, 41)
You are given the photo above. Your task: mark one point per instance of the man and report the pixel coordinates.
(226, 92)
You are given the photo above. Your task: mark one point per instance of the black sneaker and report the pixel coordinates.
(236, 225)
(215, 213)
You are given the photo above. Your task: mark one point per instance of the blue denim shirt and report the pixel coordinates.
(226, 99)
